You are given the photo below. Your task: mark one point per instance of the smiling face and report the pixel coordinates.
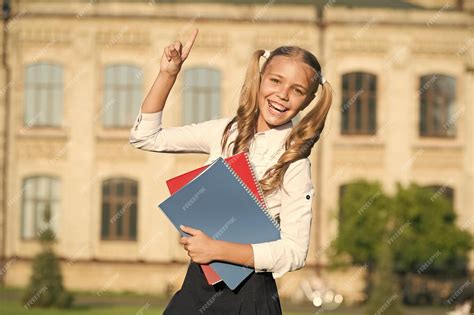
(284, 91)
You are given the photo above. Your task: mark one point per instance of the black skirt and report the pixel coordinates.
(256, 295)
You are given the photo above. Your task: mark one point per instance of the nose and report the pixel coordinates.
(283, 93)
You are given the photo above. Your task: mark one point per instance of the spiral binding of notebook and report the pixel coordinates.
(262, 207)
(260, 191)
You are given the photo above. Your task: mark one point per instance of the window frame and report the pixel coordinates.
(122, 219)
(131, 85)
(53, 199)
(427, 127)
(363, 110)
(35, 89)
(201, 83)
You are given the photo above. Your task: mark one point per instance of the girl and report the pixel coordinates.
(271, 96)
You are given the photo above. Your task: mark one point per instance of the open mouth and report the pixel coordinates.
(277, 107)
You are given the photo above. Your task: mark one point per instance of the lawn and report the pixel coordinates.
(14, 308)
(128, 304)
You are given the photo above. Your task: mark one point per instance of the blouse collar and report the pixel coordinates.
(275, 138)
(278, 131)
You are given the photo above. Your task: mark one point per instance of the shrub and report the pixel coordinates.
(46, 288)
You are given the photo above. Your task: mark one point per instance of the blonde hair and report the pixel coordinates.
(302, 137)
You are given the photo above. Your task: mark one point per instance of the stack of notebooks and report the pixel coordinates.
(224, 200)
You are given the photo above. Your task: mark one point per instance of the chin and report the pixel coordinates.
(270, 119)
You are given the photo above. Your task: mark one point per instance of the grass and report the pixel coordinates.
(15, 308)
(88, 303)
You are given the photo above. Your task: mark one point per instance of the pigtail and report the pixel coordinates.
(300, 141)
(247, 112)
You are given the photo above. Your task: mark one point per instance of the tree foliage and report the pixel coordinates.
(423, 230)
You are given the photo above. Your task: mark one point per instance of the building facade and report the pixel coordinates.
(75, 73)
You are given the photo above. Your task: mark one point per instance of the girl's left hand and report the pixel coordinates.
(201, 248)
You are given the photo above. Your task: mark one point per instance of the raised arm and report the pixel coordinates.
(147, 132)
(173, 57)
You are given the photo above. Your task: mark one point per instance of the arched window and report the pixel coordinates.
(437, 106)
(43, 95)
(119, 209)
(358, 109)
(201, 95)
(123, 93)
(39, 193)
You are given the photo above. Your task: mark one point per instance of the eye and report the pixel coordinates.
(299, 92)
(274, 80)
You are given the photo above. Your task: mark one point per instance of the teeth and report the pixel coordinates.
(277, 108)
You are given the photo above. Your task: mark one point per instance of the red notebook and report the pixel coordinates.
(240, 163)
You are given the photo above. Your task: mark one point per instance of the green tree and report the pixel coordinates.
(385, 297)
(423, 227)
(46, 284)
(363, 215)
(432, 243)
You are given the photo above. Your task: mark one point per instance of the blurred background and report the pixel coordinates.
(393, 214)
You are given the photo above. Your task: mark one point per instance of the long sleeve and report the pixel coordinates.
(148, 134)
(289, 253)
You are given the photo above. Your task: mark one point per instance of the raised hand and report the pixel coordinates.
(175, 54)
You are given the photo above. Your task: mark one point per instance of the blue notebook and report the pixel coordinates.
(218, 203)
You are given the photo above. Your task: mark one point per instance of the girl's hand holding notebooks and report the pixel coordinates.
(201, 248)
(242, 166)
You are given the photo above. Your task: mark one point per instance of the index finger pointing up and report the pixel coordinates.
(189, 44)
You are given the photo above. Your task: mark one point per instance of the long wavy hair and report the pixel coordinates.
(302, 137)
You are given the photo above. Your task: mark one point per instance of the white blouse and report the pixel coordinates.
(292, 210)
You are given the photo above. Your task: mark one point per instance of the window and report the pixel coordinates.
(123, 93)
(201, 95)
(437, 97)
(359, 96)
(119, 209)
(43, 95)
(39, 193)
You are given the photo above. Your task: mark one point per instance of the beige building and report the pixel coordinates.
(3, 165)
(74, 75)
